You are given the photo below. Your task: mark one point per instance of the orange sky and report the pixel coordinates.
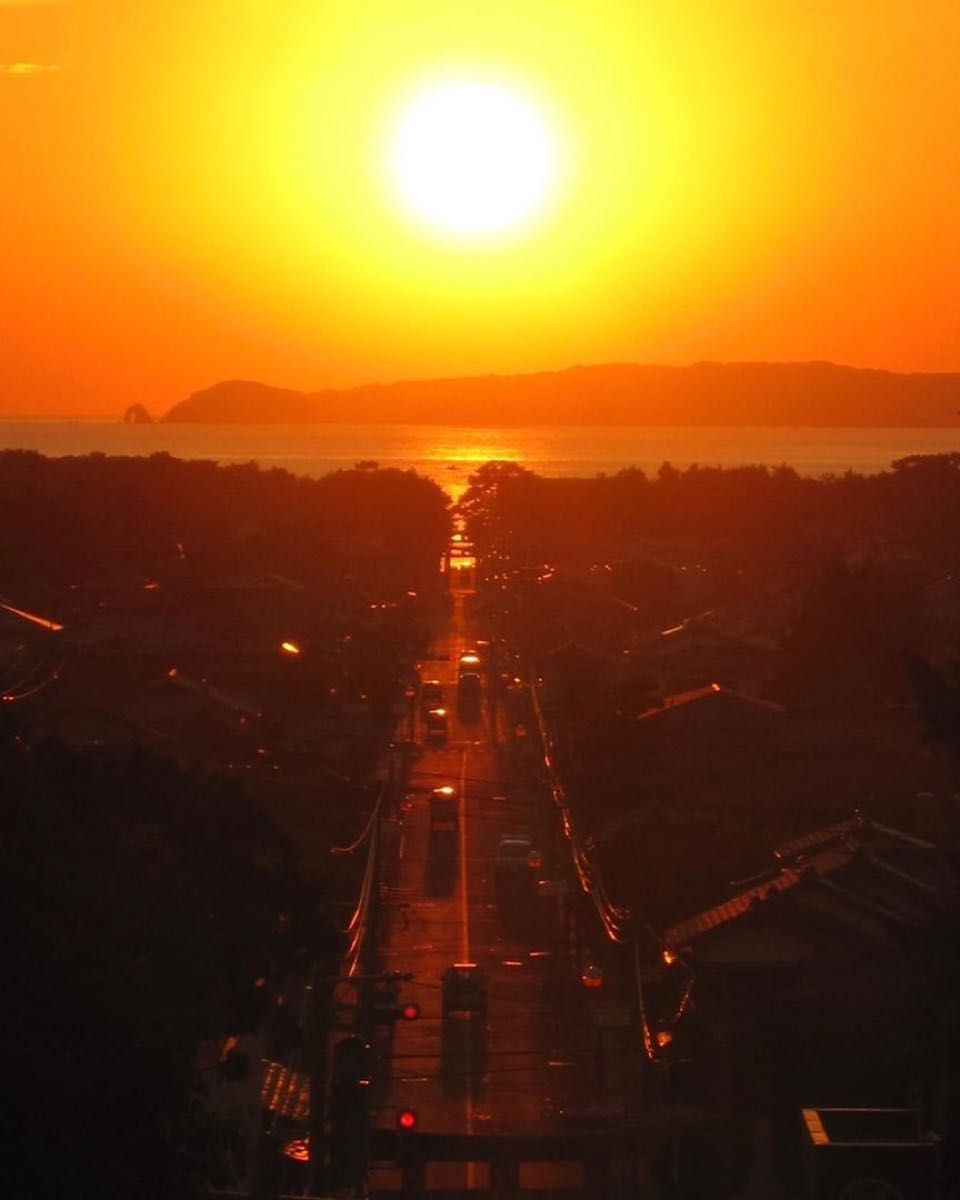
(195, 190)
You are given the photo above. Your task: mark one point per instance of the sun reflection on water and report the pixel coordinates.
(473, 452)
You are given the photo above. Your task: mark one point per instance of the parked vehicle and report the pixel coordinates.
(436, 724)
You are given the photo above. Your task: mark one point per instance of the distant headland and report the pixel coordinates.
(708, 393)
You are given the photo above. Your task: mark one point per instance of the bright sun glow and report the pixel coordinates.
(472, 157)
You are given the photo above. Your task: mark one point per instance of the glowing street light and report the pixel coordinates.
(290, 648)
(592, 976)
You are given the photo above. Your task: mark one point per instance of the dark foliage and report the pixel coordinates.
(140, 904)
(861, 616)
(938, 698)
(832, 585)
(760, 515)
(66, 518)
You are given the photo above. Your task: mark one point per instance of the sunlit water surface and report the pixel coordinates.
(449, 454)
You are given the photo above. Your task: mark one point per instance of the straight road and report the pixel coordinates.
(517, 1076)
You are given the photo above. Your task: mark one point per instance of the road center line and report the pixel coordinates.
(464, 883)
(468, 1104)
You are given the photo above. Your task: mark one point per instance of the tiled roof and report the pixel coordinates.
(151, 631)
(571, 648)
(709, 626)
(740, 904)
(217, 696)
(710, 692)
(850, 860)
(257, 583)
(801, 846)
(21, 617)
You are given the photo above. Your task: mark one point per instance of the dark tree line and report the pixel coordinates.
(843, 571)
(850, 582)
(64, 518)
(141, 903)
(841, 587)
(759, 514)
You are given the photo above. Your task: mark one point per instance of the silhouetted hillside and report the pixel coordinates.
(816, 393)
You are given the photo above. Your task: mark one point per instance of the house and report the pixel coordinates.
(701, 648)
(827, 979)
(553, 608)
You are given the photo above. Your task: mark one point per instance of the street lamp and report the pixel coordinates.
(592, 976)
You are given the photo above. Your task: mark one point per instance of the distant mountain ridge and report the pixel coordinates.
(707, 393)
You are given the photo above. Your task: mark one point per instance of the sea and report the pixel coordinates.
(449, 454)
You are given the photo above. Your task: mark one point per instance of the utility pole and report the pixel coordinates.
(316, 1038)
(316, 1035)
(493, 685)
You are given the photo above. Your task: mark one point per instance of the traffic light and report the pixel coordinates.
(387, 1006)
(386, 1013)
(407, 1119)
(352, 1063)
(349, 1111)
(234, 1065)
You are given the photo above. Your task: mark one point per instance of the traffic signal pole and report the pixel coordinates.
(317, 1029)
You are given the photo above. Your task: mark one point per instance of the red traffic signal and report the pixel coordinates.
(386, 1012)
(407, 1119)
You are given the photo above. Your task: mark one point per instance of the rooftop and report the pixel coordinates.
(876, 873)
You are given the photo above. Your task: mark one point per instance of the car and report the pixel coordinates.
(444, 821)
(469, 669)
(464, 990)
(516, 871)
(516, 854)
(469, 682)
(436, 724)
(469, 663)
(431, 694)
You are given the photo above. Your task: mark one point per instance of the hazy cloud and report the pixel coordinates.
(23, 68)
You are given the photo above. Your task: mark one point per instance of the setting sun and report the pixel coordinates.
(480, 597)
(472, 157)
(325, 195)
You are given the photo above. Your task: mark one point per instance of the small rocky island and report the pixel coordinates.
(136, 414)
